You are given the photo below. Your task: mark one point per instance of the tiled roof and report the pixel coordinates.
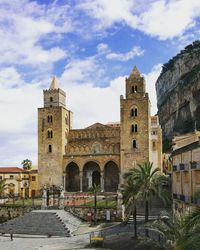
(11, 170)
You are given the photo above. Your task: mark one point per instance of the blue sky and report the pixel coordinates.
(91, 46)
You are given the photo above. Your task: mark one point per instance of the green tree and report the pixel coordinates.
(180, 231)
(149, 182)
(130, 197)
(3, 187)
(95, 189)
(27, 164)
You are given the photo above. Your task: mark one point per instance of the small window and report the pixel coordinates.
(134, 112)
(50, 119)
(49, 134)
(134, 144)
(51, 99)
(153, 145)
(1, 178)
(134, 128)
(135, 88)
(33, 178)
(50, 148)
(11, 176)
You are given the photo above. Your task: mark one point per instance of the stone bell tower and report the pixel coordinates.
(135, 123)
(54, 122)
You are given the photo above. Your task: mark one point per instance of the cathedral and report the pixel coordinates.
(101, 153)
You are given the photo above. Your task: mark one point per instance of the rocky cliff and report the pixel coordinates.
(178, 92)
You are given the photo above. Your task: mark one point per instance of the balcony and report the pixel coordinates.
(182, 166)
(175, 168)
(195, 165)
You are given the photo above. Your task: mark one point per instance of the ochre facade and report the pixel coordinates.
(101, 153)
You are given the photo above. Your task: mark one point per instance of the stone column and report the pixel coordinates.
(44, 199)
(102, 181)
(119, 205)
(61, 199)
(81, 181)
(121, 179)
(64, 181)
(89, 176)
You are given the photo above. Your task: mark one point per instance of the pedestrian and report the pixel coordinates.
(11, 236)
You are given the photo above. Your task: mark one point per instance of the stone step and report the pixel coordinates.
(42, 222)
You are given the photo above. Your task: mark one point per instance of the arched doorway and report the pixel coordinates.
(96, 178)
(111, 177)
(91, 175)
(72, 178)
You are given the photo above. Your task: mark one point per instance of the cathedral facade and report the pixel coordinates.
(101, 153)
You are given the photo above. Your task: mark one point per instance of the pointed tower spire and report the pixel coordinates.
(54, 83)
(135, 72)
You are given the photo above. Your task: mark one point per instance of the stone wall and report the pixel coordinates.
(10, 212)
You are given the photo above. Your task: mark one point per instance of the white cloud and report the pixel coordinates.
(18, 111)
(103, 49)
(23, 25)
(151, 78)
(81, 71)
(9, 78)
(136, 51)
(158, 18)
(168, 19)
(109, 12)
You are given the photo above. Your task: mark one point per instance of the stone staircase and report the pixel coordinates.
(42, 222)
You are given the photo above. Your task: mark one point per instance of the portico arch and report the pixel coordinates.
(111, 177)
(91, 175)
(72, 177)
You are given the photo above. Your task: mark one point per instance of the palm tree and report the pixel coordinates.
(149, 183)
(130, 197)
(180, 232)
(3, 186)
(26, 164)
(95, 189)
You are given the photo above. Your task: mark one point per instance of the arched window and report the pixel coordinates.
(50, 134)
(134, 128)
(134, 112)
(134, 144)
(135, 88)
(50, 119)
(51, 99)
(50, 148)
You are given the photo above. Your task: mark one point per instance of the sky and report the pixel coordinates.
(91, 46)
